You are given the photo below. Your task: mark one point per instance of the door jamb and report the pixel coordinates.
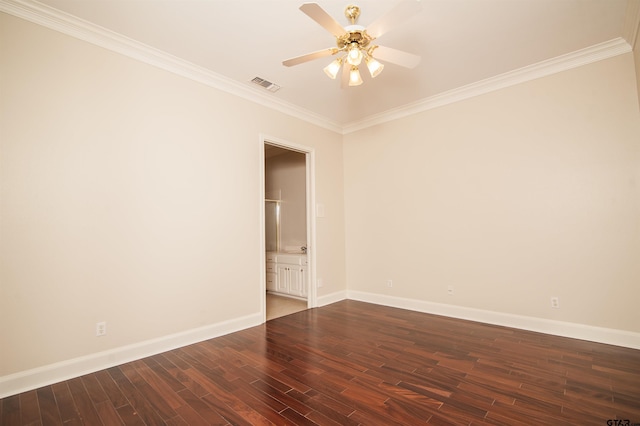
(310, 219)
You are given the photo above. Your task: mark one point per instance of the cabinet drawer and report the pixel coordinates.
(291, 259)
(271, 281)
(271, 267)
(271, 257)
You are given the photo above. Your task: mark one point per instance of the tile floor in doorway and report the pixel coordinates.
(279, 306)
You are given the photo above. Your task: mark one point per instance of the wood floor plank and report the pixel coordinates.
(163, 374)
(259, 395)
(297, 418)
(111, 389)
(68, 413)
(261, 404)
(94, 389)
(83, 403)
(236, 415)
(331, 409)
(282, 397)
(353, 363)
(162, 402)
(130, 416)
(29, 408)
(198, 406)
(151, 380)
(108, 414)
(49, 413)
(226, 403)
(142, 409)
(11, 410)
(190, 416)
(179, 374)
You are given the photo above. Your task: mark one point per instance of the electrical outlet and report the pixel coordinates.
(450, 289)
(389, 283)
(319, 283)
(101, 328)
(555, 303)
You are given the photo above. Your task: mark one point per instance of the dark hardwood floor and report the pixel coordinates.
(354, 363)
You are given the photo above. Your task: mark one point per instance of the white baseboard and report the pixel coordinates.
(328, 299)
(609, 336)
(42, 376)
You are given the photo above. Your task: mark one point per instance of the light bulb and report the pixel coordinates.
(354, 77)
(332, 69)
(354, 57)
(375, 67)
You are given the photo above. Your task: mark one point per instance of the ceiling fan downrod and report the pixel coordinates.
(352, 12)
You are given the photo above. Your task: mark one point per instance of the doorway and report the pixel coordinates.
(287, 228)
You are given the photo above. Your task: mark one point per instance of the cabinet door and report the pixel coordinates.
(303, 281)
(282, 278)
(298, 282)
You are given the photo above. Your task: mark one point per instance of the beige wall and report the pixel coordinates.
(131, 195)
(286, 174)
(511, 197)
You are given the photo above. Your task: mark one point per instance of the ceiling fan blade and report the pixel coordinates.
(403, 11)
(309, 57)
(395, 56)
(344, 76)
(326, 21)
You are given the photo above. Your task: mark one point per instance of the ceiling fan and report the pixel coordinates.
(355, 41)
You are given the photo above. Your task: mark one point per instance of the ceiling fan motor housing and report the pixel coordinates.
(354, 34)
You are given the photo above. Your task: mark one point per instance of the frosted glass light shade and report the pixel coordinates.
(354, 77)
(332, 69)
(375, 67)
(354, 56)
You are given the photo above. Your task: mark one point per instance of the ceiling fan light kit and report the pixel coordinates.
(332, 69)
(354, 57)
(375, 67)
(355, 41)
(354, 76)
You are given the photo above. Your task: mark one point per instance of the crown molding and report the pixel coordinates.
(54, 19)
(555, 65)
(632, 23)
(73, 26)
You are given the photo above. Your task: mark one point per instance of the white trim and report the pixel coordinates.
(42, 376)
(310, 161)
(84, 30)
(328, 299)
(609, 336)
(561, 63)
(68, 24)
(262, 255)
(23, 381)
(312, 288)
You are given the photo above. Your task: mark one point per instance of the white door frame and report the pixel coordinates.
(311, 218)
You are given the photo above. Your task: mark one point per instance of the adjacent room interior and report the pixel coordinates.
(154, 206)
(285, 231)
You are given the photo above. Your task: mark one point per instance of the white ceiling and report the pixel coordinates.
(460, 41)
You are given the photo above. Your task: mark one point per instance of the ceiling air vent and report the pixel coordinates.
(266, 84)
